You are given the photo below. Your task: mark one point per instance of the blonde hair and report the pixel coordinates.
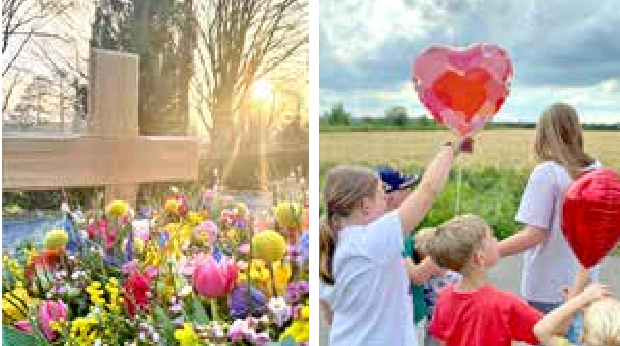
(602, 323)
(559, 138)
(452, 244)
(345, 187)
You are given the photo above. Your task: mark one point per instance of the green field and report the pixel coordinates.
(492, 179)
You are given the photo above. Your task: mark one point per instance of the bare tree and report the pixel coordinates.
(24, 19)
(36, 35)
(240, 42)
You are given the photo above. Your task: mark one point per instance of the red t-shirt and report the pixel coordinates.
(484, 317)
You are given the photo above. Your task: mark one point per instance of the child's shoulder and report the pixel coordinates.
(545, 167)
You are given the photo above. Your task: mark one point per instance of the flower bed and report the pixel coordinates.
(215, 274)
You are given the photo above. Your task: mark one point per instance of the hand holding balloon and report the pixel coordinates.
(466, 145)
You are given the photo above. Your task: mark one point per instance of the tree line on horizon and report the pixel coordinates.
(397, 117)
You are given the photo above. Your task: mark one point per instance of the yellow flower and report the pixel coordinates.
(299, 330)
(58, 325)
(232, 235)
(13, 266)
(115, 297)
(187, 336)
(282, 274)
(172, 205)
(172, 228)
(16, 304)
(117, 208)
(242, 209)
(95, 292)
(153, 256)
(81, 332)
(56, 240)
(32, 253)
(288, 214)
(194, 218)
(305, 313)
(268, 246)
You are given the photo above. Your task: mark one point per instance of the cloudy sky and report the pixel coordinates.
(562, 50)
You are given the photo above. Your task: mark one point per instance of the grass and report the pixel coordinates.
(492, 179)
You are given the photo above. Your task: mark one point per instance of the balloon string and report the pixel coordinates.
(458, 189)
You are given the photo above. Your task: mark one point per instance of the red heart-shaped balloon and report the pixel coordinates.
(462, 87)
(590, 215)
(465, 93)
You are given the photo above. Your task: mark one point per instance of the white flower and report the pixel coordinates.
(185, 291)
(281, 312)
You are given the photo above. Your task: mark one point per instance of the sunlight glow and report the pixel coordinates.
(262, 89)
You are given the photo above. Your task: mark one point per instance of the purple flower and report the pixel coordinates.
(292, 294)
(241, 307)
(303, 286)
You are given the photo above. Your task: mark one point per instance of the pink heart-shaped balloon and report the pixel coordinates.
(462, 87)
(590, 214)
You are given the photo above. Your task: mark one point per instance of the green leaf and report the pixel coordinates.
(200, 314)
(15, 337)
(166, 325)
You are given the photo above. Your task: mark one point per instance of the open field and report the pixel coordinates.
(505, 148)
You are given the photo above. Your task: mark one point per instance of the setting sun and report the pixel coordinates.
(262, 89)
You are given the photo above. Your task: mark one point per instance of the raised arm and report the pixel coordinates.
(519, 242)
(555, 323)
(413, 209)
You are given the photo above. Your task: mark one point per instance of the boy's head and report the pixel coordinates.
(459, 244)
(397, 185)
(602, 323)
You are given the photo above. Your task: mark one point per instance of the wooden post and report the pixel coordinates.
(113, 106)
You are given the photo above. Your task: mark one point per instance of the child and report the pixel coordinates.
(433, 284)
(398, 187)
(364, 284)
(471, 312)
(548, 262)
(601, 319)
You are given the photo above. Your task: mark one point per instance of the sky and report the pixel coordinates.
(561, 50)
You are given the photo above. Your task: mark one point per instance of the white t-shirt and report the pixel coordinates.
(369, 299)
(551, 264)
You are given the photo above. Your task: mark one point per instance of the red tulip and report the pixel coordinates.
(212, 279)
(136, 289)
(51, 311)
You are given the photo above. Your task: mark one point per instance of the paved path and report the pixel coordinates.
(507, 276)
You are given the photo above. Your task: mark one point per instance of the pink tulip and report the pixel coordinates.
(187, 265)
(23, 325)
(97, 231)
(212, 279)
(51, 311)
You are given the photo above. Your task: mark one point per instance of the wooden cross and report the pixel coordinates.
(112, 153)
